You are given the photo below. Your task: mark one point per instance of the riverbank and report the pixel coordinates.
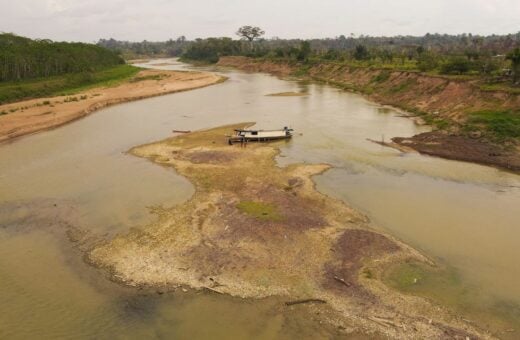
(254, 230)
(484, 122)
(30, 116)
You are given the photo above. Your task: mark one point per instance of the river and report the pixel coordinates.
(465, 216)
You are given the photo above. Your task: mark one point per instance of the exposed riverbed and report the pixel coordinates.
(464, 214)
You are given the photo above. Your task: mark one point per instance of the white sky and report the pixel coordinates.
(154, 20)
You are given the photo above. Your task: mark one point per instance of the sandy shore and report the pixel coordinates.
(35, 115)
(256, 230)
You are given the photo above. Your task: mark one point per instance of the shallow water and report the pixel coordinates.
(462, 214)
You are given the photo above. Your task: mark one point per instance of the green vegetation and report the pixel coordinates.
(499, 124)
(491, 58)
(514, 56)
(210, 50)
(416, 278)
(404, 86)
(260, 210)
(445, 287)
(23, 58)
(456, 65)
(148, 77)
(383, 76)
(146, 49)
(42, 68)
(64, 84)
(250, 33)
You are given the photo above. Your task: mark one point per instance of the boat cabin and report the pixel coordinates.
(260, 135)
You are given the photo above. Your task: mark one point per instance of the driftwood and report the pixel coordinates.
(298, 302)
(342, 281)
(213, 290)
(385, 322)
(380, 142)
(181, 131)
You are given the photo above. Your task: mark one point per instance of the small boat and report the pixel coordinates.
(242, 136)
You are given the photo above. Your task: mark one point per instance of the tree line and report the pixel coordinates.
(134, 50)
(463, 54)
(23, 58)
(495, 55)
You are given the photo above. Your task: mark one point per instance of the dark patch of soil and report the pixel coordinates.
(296, 214)
(351, 249)
(209, 157)
(461, 148)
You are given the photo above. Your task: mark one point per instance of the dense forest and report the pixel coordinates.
(443, 54)
(134, 50)
(23, 58)
(463, 54)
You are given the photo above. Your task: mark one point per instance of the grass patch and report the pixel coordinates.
(148, 77)
(418, 279)
(303, 70)
(500, 124)
(65, 84)
(260, 210)
(383, 76)
(501, 88)
(445, 287)
(437, 122)
(402, 87)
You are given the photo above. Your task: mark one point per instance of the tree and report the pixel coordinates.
(305, 51)
(250, 33)
(514, 56)
(427, 62)
(456, 65)
(361, 52)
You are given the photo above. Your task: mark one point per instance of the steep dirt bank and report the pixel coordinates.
(441, 101)
(256, 230)
(34, 115)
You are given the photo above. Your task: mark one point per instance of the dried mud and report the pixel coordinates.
(255, 230)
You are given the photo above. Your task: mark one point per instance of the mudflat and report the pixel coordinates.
(35, 115)
(254, 230)
(437, 143)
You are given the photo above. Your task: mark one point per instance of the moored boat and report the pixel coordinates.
(242, 136)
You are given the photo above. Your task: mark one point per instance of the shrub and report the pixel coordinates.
(427, 62)
(456, 65)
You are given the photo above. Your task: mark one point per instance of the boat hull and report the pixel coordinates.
(239, 139)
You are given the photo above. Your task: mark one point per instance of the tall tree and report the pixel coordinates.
(250, 33)
(361, 52)
(305, 51)
(514, 56)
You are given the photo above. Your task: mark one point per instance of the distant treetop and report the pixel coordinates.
(250, 32)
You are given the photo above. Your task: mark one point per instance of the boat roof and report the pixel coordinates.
(242, 130)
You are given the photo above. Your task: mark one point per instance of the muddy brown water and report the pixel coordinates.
(463, 215)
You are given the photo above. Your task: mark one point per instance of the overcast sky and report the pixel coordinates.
(136, 20)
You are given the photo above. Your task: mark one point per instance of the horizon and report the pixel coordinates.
(72, 20)
(234, 37)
